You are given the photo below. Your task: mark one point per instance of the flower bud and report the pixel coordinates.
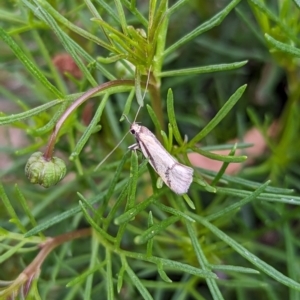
(45, 173)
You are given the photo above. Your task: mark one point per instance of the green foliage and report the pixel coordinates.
(113, 231)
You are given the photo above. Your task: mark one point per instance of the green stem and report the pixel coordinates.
(156, 102)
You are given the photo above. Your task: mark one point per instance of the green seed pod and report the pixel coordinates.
(123, 72)
(45, 173)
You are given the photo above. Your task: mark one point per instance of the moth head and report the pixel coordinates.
(135, 128)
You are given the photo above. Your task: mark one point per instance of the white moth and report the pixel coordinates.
(175, 175)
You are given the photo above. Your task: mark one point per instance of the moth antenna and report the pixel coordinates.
(109, 154)
(137, 114)
(126, 119)
(146, 88)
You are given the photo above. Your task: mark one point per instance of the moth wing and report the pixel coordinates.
(176, 176)
(159, 158)
(179, 178)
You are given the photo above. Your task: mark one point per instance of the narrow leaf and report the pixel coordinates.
(116, 177)
(94, 224)
(223, 168)
(138, 284)
(133, 180)
(173, 211)
(188, 201)
(79, 279)
(172, 118)
(46, 17)
(203, 70)
(247, 183)
(121, 16)
(154, 118)
(219, 116)
(12, 251)
(234, 269)
(239, 204)
(138, 89)
(155, 229)
(27, 114)
(214, 21)
(25, 206)
(282, 46)
(219, 157)
(127, 105)
(260, 264)
(89, 130)
(30, 66)
(109, 277)
(10, 209)
(162, 273)
(150, 241)
(131, 213)
(202, 260)
(71, 212)
(120, 278)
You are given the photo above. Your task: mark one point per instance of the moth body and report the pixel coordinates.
(175, 175)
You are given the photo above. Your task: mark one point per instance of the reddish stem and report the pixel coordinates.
(50, 146)
(49, 245)
(104, 86)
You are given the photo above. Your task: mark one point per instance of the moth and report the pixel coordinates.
(175, 175)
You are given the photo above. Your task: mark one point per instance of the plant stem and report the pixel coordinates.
(156, 102)
(50, 244)
(104, 86)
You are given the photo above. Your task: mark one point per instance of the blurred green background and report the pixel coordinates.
(266, 34)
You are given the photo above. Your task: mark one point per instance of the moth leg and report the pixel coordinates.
(134, 147)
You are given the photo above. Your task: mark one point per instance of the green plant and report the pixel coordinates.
(144, 241)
